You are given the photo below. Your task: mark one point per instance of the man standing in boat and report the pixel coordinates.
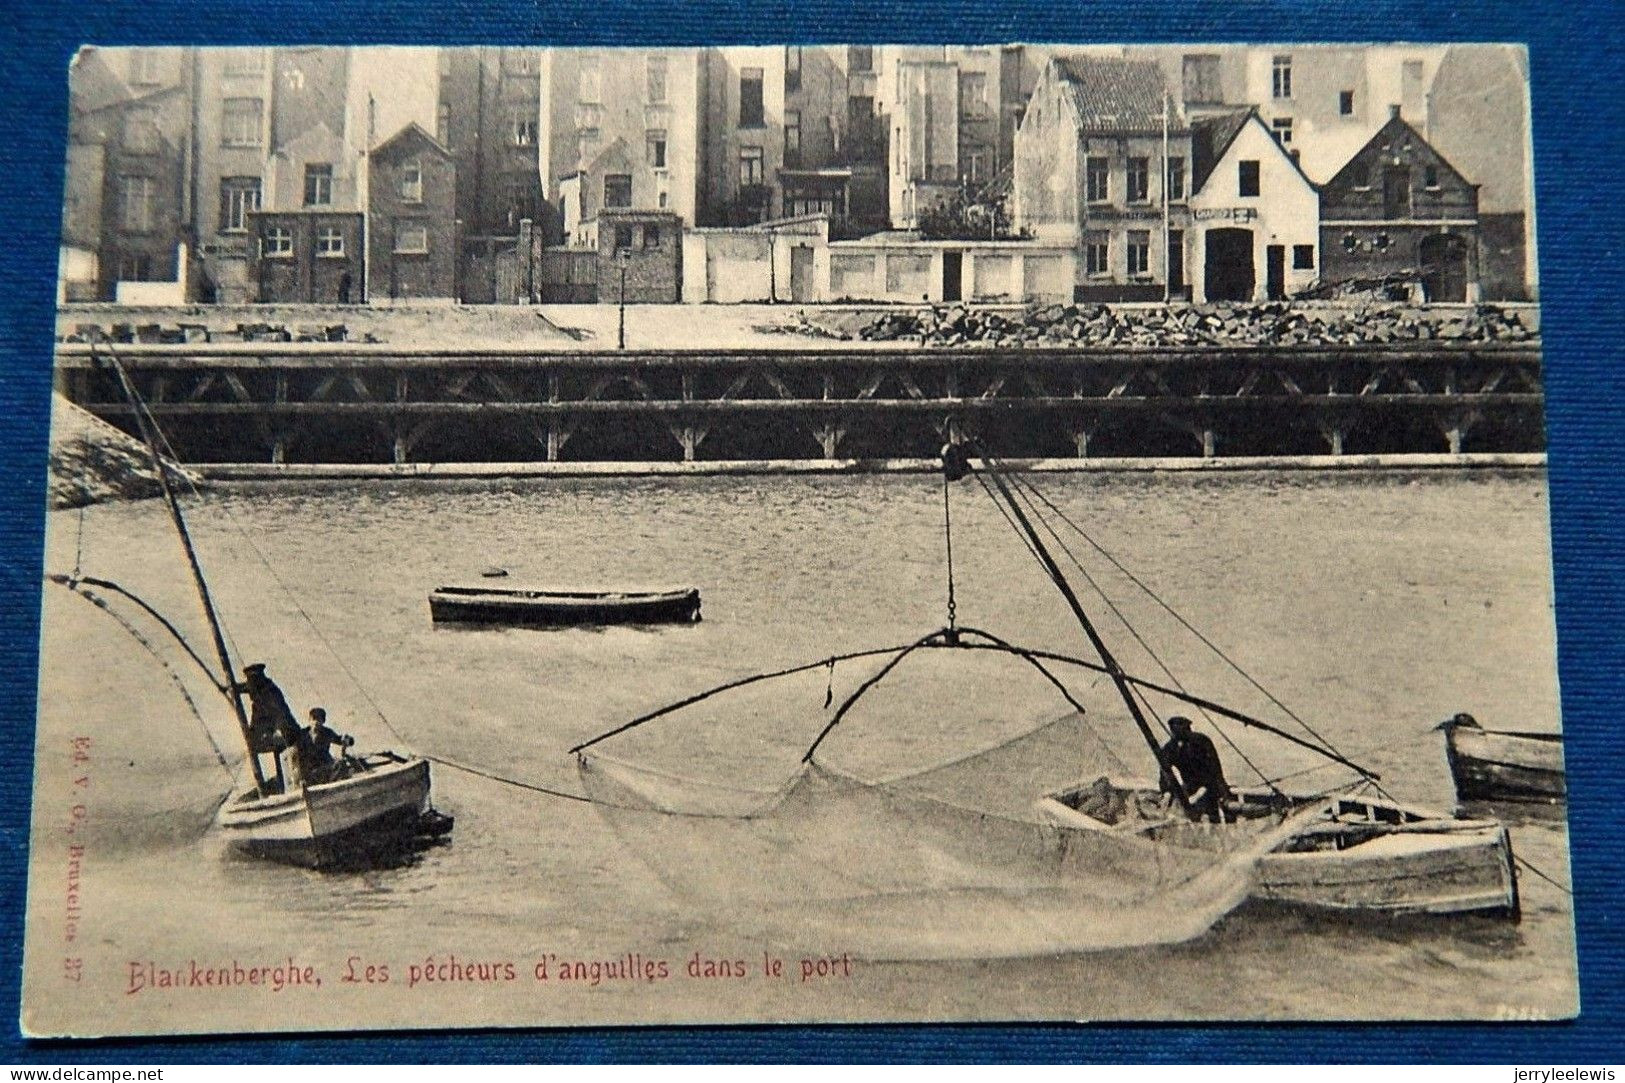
(272, 727)
(1192, 757)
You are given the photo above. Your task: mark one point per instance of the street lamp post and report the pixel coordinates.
(622, 257)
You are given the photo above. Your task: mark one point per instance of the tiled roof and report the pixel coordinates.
(1210, 138)
(1114, 94)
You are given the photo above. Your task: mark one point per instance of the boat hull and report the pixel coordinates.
(1488, 765)
(1399, 873)
(541, 608)
(334, 823)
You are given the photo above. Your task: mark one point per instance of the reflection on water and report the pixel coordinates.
(1374, 605)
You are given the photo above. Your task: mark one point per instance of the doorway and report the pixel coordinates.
(1275, 272)
(952, 270)
(1444, 267)
(1229, 274)
(801, 273)
(1176, 262)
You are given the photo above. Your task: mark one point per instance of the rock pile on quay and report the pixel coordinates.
(1269, 324)
(92, 462)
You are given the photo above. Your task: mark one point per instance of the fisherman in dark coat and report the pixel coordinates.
(272, 727)
(1192, 757)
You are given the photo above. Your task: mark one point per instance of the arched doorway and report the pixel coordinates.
(1443, 258)
(1229, 274)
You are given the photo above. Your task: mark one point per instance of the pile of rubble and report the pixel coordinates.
(157, 333)
(1268, 324)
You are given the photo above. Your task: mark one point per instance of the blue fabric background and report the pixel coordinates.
(1576, 74)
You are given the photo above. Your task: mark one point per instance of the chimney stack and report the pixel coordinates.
(1393, 110)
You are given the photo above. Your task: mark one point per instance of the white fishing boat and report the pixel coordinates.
(908, 867)
(1330, 851)
(356, 808)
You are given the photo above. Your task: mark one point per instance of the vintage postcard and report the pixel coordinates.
(549, 536)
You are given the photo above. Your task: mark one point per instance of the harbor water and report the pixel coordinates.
(1373, 604)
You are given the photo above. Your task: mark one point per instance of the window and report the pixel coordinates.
(135, 206)
(143, 66)
(623, 238)
(617, 189)
(1247, 177)
(1096, 253)
(318, 185)
(442, 123)
(655, 79)
(238, 196)
(1139, 180)
(1139, 252)
(651, 236)
(973, 94)
(1201, 72)
(1176, 178)
(1303, 257)
(1381, 242)
(1360, 175)
(975, 171)
(655, 141)
(240, 122)
(792, 68)
(750, 166)
(750, 98)
(330, 241)
(276, 241)
(1281, 77)
(522, 128)
(411, 238)
(1345, 103)
(520, 200)
(860, 58)
(590, 82)
(134, 267)
(411, 186)
(141, 134)
(1430, 176)
(1351, 243)
(792, 137)
(245, 62)
(1096, 180)
(1281, 128)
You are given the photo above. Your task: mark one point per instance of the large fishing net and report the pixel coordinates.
(949, 860)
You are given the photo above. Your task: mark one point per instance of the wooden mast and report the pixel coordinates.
(232, 691)
(1119, 678)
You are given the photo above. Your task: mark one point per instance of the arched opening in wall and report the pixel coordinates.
(1229, 273)
(1443, 259)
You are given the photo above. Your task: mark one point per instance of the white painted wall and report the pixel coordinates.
(1286, 210)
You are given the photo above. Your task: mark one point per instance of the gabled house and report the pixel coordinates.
(1101, 161)
(1397, 210)
(411, 218)
(1255, 215)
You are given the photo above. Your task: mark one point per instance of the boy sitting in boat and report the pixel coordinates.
(316, 750)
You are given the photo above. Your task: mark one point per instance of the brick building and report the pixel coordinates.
(1091, 170)
(1397, 208)
(834, 137)
(412, 238)
(648, 246)
(313, 255)
(125, 204)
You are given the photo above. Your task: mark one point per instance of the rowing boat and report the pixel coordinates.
(559, 608)
(1491, 765)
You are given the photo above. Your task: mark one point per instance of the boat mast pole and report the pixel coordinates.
(233, 692)
(1119, 678)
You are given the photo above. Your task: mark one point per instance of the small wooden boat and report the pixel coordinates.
(377, 804)
(1336, 852)
(558, 608)
(1501, 765)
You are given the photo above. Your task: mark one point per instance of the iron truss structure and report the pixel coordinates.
(339, 402)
